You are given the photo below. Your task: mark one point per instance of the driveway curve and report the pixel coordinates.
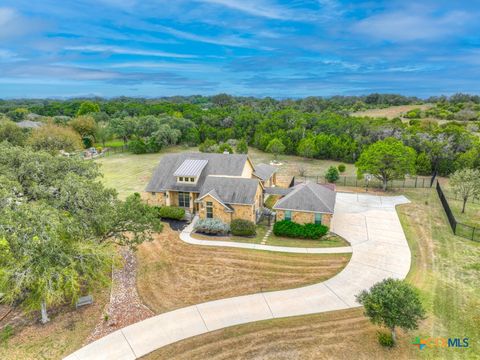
(380, 250)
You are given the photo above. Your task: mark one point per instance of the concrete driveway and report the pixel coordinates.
(380, 250)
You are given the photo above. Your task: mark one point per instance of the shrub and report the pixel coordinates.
(137, 146)
(292, 229)
(171, 212)
(342, 168)
(212, 227)
(242, 227)
(332, 174)
(385, 339)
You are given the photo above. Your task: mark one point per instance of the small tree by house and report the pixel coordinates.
(276, 147)
(242, 147)
(387, 160)
(332, 174)
(225, 148)
(392, 303)
(465, 184)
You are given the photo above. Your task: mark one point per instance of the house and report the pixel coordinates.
(307, 203)
(224, 186)
(267, 174)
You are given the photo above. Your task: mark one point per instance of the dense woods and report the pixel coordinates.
(443, 136)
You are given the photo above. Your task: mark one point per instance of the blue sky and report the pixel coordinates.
(243, 47)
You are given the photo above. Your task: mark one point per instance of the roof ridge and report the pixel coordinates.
(316, 195)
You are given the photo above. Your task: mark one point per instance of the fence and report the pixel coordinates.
(353, 181)
(116, 150)
(458, 228)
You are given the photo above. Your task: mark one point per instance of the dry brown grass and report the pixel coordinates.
(173, 274)
(336, 335)
(66, 332)
(391, 111)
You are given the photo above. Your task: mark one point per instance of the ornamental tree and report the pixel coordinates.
(465, 184)
(392, 303)
(387, 160)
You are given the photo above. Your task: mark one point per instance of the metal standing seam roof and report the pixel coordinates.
(308, 197)
(191, 167)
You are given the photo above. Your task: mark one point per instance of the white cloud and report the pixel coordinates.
(126, 51)
(411, 24)
(256, 8)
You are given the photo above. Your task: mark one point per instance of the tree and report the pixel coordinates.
(423, 165)
(103, 134)
(242, 147)
(208, 146)
(123, 127)
(225, 148)
(54, 138)
(307, 148)
(57, 224)
(166, 136)
(465, 183)
(387, 160)
(84, 125)
(332, 174)
(276, 147)
(88, 107)
(392, 303)
(10, 132)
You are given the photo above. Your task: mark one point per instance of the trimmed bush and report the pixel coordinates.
(212, 227)
(171, 212)
(342, 168)
(242, 227)
(294, 230)
(385, 339)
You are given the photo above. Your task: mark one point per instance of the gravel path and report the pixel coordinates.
(125, 306)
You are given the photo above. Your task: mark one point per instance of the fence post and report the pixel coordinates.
(416, 182)
(473, 233)
(344, 181)
(404, 183)
(356, 182)
(423, 185)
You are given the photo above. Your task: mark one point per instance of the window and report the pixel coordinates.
(288, 215)
(153, 193)
(180, 178)
(184, 199)
(192, 179)
(318, 218)
(209, 210)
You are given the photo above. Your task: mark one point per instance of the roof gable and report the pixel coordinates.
(231, 190)
(264, 171)
(163, 177)
(308, 197)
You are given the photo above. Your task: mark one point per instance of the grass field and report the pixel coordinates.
(445, 268)
(173, 274)
(129, 173)
(391, 111)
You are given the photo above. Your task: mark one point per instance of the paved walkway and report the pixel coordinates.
(380, 250)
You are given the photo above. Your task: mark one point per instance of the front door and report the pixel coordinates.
(184, 199)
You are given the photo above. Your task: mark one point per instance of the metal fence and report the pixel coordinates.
(353, 181)
(458, 228)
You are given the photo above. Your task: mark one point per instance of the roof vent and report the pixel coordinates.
(226, 152)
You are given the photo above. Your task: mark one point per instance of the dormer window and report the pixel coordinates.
(185, 179)
(190, 170)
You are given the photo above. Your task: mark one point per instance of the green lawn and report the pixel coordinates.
(330, 240)
(446, 269)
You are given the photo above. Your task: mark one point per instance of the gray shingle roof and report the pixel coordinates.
(264, 171)
(231, 190)
(218, 164)
(308, 197)
(191, 167)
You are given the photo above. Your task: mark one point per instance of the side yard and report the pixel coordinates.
(445, 268)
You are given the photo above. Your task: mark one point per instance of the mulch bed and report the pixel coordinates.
(125, 307)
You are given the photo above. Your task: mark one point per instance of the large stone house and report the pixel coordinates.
(230, 186)
(224, 186)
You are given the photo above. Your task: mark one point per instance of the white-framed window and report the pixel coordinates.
(318, 218)
(209, 210)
